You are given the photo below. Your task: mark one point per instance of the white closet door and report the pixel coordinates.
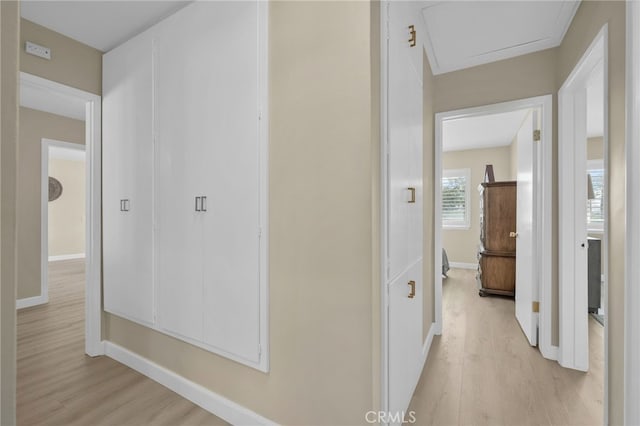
(398, 186)
(405, 208)
(184, 64)
(231, 223)
(405, 337)
(127, 164)
(415, 210)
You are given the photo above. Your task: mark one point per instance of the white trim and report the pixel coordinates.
(549, 352)
(573, 326)
(462, 265)
(66, 257)
(263, 93)
(93, 246)
(28, 302)
(384, 200)
(222, 407)
(437, 226)
(542, 213)
(427, 344)
(632, 238)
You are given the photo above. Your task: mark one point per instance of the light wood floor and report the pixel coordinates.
(59, 385)
(482, 371)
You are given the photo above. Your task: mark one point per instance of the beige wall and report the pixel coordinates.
(321, 263)
(595, 148)
(67, 213)
(589, 19)
(35, 125)
(462, 244)
(9, 36)
(428, 311)
(72, 63)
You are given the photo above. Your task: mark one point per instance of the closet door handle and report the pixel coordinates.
(198, 204)
(203, 203)
(413, 195)
(124, 205)
(412, 284)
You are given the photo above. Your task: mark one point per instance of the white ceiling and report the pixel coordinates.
(99, 24)
(462, 34)
(486, 131)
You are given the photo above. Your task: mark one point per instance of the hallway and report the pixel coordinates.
(59, 385)
(482, 370)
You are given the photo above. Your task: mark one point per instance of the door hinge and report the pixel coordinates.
(536, 135)
(259, 232)
(259, 351)
(412, 32)
(259, 115)
(535, 306)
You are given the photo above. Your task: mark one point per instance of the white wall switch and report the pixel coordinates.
(37, 50)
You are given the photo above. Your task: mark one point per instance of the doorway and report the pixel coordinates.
(582, 221)
(63, 218)
(533, 301)
(48, 96)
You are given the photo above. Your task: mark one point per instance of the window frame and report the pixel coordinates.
(466, 224)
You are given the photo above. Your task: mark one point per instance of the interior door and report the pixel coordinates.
(127, 166)
(405, 208)
(526, 282)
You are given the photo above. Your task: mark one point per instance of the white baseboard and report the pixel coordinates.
(66, 257)
(427, 344)
(28, 302)
(462, 265)
(550, 352)
(222, 407)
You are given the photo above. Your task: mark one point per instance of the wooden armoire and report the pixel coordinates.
(497, 250)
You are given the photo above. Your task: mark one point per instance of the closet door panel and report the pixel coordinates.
(231, 223)
(127, 158)
(183, 127)
(415, 143)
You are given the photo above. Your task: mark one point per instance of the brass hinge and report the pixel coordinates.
(535, 306)
(536, 135)
(412, 40)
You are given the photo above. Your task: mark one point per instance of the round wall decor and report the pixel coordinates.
(55, 189)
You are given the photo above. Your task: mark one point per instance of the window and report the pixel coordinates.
(455, 198)
(595, 206)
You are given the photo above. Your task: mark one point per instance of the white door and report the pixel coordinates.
(127, 167)
(405, 337)
(232, 180)
(526, 283)
(183, 131)
(405, 219)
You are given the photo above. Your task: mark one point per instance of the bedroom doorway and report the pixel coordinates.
(461, 158)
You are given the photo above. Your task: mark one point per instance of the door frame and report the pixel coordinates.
(632, 240)
(94, 345)
(44, 214)
(573, 296)
(542, 214)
